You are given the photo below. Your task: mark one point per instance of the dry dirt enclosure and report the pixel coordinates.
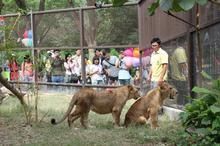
(14, 131)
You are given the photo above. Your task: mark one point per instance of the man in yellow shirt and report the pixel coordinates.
(159, 64)
(179, 73)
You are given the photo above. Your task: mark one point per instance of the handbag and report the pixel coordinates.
(74, 78)
(112, 70)
(88, 80)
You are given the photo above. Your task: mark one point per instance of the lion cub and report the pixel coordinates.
(147, 107)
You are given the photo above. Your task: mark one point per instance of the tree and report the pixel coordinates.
(21, 4)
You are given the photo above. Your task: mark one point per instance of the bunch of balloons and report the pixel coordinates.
(27, 40)
(132, 57)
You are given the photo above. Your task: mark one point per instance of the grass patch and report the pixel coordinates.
(102, 132)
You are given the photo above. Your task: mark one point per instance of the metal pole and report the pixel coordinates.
(83, 74)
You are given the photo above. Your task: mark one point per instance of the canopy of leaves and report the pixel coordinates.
(168, 5)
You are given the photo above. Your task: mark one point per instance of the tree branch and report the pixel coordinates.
(12, 89)
(216, 2)
(1, 6)
(21, 4)
(169, 13)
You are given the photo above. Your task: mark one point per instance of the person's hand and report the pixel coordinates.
(148, 79)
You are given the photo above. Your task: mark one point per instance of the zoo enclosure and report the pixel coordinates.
(90, 28)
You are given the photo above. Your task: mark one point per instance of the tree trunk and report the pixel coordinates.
(90, 25)
(1, 6)
(19, 95)
(21, 4)
(199, 54)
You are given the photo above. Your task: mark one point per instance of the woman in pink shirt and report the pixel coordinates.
(27, 69)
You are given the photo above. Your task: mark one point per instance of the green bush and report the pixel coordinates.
(201, 118)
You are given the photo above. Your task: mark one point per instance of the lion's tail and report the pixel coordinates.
(71, 105)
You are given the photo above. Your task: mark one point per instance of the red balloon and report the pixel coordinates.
(25, 35)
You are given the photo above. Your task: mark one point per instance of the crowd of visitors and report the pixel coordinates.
(103, 68)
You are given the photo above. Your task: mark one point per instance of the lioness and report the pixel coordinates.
(147, 107)
(102, 102)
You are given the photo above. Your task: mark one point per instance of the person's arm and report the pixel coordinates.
(117, 63)
(93, 71)
(163, 72)
(184, 69)
(149, 75)
(66, 66)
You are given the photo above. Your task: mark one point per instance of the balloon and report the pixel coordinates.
(136, 52)
(128, 61)
(25, 35)
(29, 34)
(146, 61)
(128, 52)
(147, 51)
(27, 42)
(135, 62)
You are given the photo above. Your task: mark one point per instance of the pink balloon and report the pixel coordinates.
(128, 52)
(135, 62)
(147, 51)
(145, 60)
(128, 61)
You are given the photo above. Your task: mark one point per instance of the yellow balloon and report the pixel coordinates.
(136, 52)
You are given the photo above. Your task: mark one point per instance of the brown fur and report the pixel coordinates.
(101, 102)
(147, 107)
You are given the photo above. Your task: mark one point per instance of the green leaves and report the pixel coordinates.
(206, 91)
(205, 75)
(118, 2)
(174, 5)
(187, 4)
(166, 5)
(215, 109)
(203, 115)
(201, 2)
(153, 7)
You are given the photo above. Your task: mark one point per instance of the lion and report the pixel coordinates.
(101, 102)
(147, 107)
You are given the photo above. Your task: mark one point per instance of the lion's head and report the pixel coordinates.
(168, 89)
(133, 92)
